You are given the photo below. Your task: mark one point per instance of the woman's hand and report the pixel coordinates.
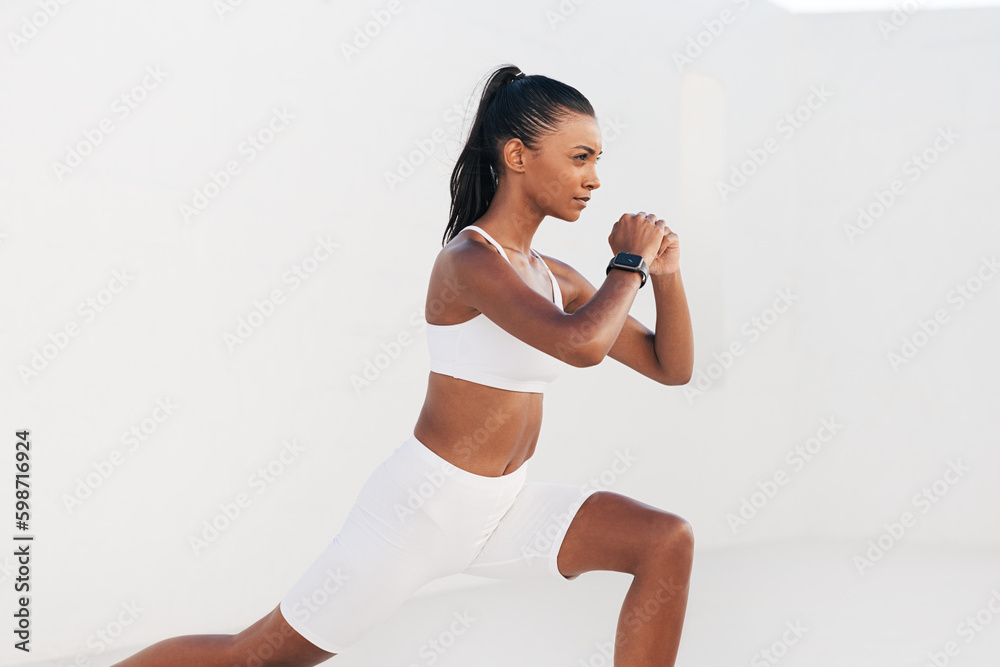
(667, 260)
(639, 234)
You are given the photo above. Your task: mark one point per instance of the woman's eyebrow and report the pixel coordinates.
(587, 148)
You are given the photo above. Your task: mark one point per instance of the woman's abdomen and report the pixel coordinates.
(477, 428)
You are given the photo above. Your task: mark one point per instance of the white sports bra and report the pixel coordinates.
(480, 351)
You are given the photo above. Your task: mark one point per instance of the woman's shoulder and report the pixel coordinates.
(461, 242)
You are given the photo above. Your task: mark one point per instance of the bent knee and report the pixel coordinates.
(675, 534)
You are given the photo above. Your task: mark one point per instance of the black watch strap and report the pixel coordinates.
(629, 262)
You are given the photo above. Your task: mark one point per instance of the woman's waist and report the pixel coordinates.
(493, 444)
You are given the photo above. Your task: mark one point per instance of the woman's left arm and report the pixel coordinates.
(673, 339)
(666, 355)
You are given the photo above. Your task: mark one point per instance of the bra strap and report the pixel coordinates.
(491, 240)
(556, 292)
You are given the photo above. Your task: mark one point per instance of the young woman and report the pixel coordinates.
(503, 322)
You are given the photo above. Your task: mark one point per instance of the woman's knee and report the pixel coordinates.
(673, 538)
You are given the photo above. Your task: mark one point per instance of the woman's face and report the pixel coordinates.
(564, 168)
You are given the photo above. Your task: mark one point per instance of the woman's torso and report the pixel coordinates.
(479, 428)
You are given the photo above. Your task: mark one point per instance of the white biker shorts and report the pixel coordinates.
(418, 518)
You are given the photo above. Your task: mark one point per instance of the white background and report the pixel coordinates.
(672, 130)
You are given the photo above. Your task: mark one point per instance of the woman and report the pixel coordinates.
(503, 322)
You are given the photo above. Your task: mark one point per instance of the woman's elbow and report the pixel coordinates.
(580, 356)
(676, 378)
(587, 358)
(579, 350)
(673, 380)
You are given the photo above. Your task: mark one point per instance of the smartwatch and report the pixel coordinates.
(629, 262)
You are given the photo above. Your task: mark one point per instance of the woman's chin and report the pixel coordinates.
(572, 216)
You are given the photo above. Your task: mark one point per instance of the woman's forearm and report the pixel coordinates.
(674, 336)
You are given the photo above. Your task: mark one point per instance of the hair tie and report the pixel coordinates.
(519, 75)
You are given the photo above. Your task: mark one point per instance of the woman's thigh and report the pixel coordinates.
(559, 531)
(416, 518)
(614, 532)
(271, 640)
(525, 543)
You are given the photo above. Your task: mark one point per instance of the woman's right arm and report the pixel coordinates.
(486, 282)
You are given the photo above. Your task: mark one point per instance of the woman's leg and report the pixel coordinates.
(269, 642)
(559, 531)
(617, 533)
(415, 518)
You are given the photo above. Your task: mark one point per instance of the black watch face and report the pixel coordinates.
(629, 259)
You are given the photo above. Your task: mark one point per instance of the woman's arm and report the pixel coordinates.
(484, 281)
(674, 339)
(666, 356)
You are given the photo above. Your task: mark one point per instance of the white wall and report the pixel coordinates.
(861, 291)
(680, 130)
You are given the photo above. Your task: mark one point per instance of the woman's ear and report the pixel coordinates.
(513, 155)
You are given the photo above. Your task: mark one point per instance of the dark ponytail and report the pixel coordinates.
(512, 106)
